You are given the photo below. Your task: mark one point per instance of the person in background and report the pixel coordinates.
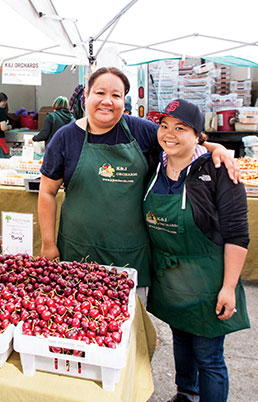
(128, 105)
(60, 116)
(4, 126)
(102, 161)
(197, 222)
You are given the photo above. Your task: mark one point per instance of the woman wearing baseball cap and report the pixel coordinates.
(197, 221)
(76, 157)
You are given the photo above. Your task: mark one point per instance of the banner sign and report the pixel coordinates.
(17, 233)
(21, 72)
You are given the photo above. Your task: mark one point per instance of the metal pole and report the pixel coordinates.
(126, 8)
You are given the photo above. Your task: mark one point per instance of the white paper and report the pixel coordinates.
(27, 154)
(21, 72)
(17, 233)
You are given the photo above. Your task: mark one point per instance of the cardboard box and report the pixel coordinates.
(43, 112)
(245, 127)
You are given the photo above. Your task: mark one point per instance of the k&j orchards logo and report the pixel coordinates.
(106, 170)
(150, 217)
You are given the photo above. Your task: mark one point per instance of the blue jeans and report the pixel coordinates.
(200, 366)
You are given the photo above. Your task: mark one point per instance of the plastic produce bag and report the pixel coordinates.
(250, 141)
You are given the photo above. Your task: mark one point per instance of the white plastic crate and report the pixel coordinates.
(97, 363)
(244, 118)
(6, 344)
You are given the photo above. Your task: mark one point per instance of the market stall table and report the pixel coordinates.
(250, 269)
(135, 385)
(16, 199)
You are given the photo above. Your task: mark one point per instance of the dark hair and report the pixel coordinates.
(202, 138)
(109, 70)
(3, 97)
(61, 102)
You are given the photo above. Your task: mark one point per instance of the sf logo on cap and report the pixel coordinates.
(172, 106)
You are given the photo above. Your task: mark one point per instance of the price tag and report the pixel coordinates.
(17, 233)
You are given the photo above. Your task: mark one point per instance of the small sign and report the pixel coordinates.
(17, 233)
(27, 153)
(21, 72)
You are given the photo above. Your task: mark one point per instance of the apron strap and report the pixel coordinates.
(122, 124)
(184, 190)
(153, 181)
(126, 129)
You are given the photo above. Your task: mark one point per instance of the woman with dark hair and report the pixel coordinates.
(197, 221)
(102, 162)
(61, 115)
(4, 126)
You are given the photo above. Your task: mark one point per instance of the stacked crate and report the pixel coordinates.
(163, 83)
(186, 70)
(197, 86)
(222, 81)
(247, 119)
(243, 90)
(220, 102)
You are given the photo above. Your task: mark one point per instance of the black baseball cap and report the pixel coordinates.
(185, 111)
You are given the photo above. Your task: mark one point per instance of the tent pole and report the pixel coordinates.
(105, 41)
(113, 22)
(230, 48)
(62, 25)
(126, 8)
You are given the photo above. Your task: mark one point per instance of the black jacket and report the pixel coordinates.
(219, 206)
(52, 123)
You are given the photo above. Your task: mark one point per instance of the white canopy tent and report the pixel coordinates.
(140, 30)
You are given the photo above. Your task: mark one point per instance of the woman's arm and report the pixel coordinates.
(234, 258)
(47, 215)
(4, 126)
(220, 154)
(46, 130)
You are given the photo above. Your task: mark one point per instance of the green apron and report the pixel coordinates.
(188, 270)
(101, 216)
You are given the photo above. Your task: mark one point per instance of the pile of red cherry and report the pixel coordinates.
(78, 300)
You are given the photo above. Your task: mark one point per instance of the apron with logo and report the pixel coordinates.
(188, 270)
(101, 216)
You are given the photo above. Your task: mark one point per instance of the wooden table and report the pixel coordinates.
(250, 270)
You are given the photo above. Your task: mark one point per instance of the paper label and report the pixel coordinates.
(17, 233)
(27, 154)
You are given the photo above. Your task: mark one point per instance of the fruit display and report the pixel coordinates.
(249, 174)
(69, 318)
(250, 178)
(247, 163)
(80, 301)
(13, 171)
